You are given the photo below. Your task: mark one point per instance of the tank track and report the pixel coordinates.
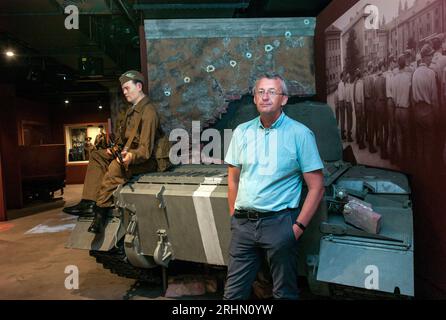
(115, 260)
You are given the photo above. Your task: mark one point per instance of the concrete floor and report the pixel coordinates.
(33, 261)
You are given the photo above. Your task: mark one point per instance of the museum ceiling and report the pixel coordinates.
(51, 61)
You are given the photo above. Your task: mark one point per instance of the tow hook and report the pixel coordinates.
(163, 252)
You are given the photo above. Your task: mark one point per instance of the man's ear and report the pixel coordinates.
(284, 100)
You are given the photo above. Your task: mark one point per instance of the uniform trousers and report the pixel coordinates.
(105, 174)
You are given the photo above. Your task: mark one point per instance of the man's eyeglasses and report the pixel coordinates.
(272, 93)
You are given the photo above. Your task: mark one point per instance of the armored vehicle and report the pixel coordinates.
(182, 215)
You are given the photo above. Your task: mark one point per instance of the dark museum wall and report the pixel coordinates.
(426, 179)
(9, 120)
(20, 112)
(15, 115)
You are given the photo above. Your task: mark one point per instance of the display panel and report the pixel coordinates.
(82, 139)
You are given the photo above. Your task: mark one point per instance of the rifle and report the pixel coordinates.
(116, 148)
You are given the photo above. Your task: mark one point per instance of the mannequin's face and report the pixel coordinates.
(131, 91)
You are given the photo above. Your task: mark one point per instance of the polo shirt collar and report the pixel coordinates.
(276, 123)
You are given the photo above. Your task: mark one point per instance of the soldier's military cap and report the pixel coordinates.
(131, 75)
(426, 50)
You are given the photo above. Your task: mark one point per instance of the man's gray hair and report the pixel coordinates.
(272, 76)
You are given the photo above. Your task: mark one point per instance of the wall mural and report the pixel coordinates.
(196, 67)
(386, 83)
(382, 64)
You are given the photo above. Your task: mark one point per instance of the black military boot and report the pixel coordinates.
(85, 207)
(100, 217)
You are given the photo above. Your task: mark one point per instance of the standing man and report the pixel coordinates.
(268, 157)
(390, 105)
(105, 172)
(438, 65)
(402, 83)
(438, 59)
(424, 89)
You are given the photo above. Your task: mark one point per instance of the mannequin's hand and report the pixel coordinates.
(127, 158)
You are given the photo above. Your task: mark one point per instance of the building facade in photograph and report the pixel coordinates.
(333, 59)
(416, 25)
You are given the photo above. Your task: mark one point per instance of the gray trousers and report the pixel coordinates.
(272, 236)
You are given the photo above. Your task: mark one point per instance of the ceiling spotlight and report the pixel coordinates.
(67, 101)
(10, 53)
(100, 107)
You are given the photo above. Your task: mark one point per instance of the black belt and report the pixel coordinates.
(255, 215)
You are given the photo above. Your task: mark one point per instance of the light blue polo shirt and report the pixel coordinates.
(272, 161)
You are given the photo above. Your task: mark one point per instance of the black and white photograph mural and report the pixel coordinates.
(386, 81)
(386, 84)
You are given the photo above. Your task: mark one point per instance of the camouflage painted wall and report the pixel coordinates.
(196, 67)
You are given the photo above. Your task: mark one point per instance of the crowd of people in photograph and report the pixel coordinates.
(397, 104)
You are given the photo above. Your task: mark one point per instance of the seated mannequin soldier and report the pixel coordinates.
(106, 169)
